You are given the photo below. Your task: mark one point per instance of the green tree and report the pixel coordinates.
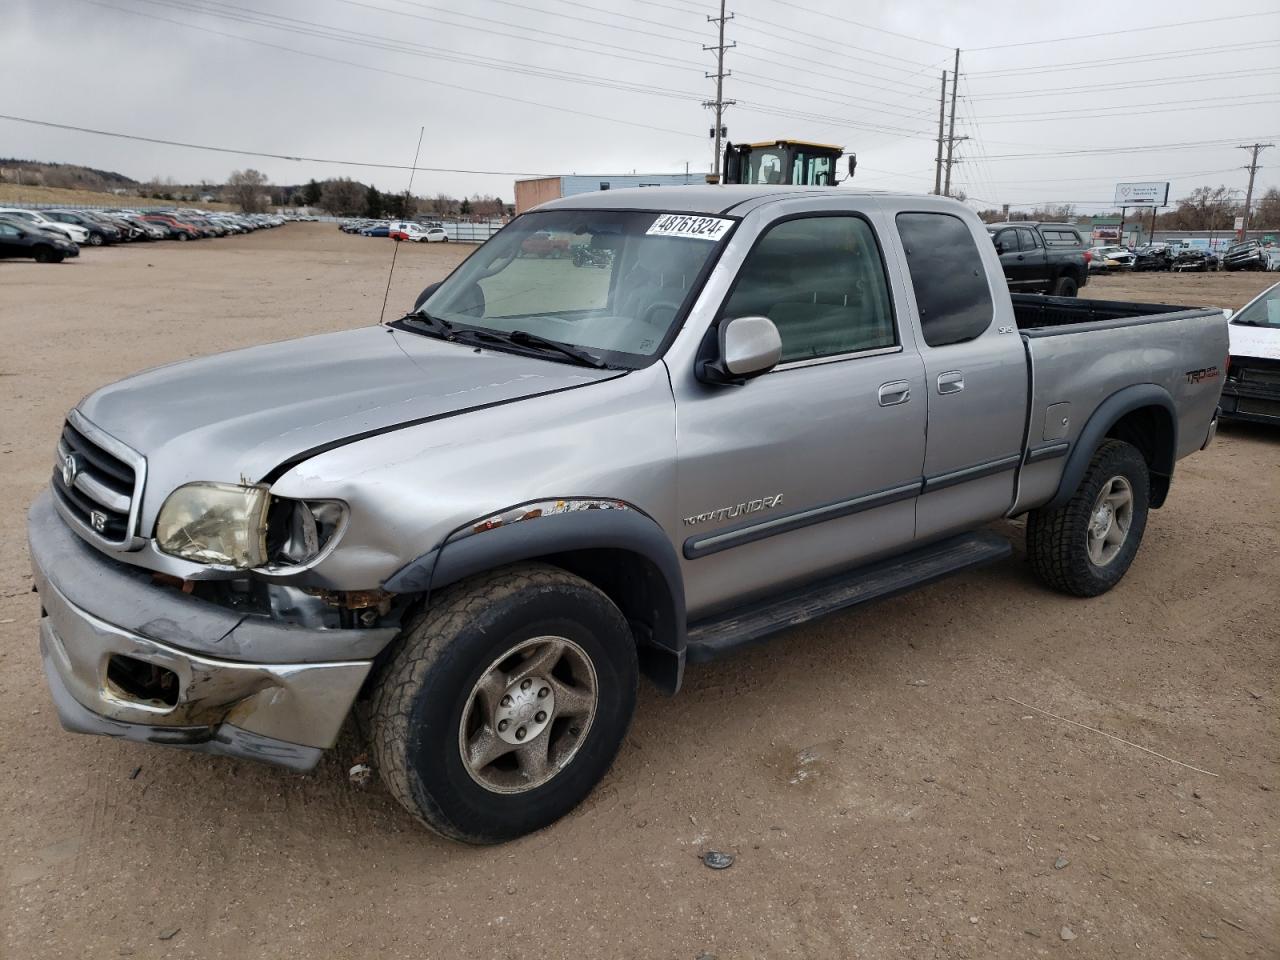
(465, 208)
(373, 202)
(311, 193)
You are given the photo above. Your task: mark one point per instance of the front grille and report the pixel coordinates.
(104, 483)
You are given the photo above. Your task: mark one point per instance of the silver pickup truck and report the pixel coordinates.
(634, 430)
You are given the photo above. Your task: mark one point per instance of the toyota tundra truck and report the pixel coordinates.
(476, 525)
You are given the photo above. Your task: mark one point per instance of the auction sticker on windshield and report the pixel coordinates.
(695, 228)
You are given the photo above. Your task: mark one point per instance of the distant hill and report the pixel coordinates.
(70, 176)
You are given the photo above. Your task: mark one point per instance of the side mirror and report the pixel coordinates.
(425, 295)
(748, 347)
(1000, 246)
(853, 164)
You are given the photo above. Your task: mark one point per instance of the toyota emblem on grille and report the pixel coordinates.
(70, 467)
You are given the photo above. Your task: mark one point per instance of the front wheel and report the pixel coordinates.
(47, 255)
(505, 703)
(1085, 546)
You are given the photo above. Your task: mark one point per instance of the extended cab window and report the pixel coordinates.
(948, 277)
(1061, 238)
(822, 282)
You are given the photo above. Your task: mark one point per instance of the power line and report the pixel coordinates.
(295, 26)
(260, 153)
(1112, 33)
(1122, 110)
(1134, 58)
(524, 36)
(1076, 89)
(1102, 151)
(393, 73)
(827, 15)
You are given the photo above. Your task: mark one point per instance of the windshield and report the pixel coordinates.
(609, 281)
(1263, 312)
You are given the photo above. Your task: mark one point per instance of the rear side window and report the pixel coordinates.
(1057, 237)
(947, 276)
(822, 283)
(1030, 241)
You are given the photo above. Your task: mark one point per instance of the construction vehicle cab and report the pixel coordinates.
(795, 162)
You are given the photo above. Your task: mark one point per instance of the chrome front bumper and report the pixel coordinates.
(282, 713)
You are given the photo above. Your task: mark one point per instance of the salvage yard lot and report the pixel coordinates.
(883, 793)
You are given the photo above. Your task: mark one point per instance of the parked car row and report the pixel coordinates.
(50, 236)
(396, 230)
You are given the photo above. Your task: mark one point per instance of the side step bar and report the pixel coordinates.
(709, 639)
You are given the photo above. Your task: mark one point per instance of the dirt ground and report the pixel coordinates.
(883, 790)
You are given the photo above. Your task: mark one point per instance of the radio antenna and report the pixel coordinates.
(395, 246)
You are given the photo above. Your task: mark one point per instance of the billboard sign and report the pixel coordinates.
(1154, 194)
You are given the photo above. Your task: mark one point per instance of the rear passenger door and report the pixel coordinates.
(815, 465)
(1009, 247)
(975, 375)
(1035, 260)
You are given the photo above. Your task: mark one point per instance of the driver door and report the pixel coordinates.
(815, 465)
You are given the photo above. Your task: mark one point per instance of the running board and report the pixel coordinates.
(716, 637)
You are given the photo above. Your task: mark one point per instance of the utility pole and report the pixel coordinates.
(951, 130)
(942, 116)
(1255, 149)
(719, 103)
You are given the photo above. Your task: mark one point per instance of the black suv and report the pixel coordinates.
(1041, 257)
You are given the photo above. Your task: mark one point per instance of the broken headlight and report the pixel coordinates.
(218, 523)
(245, 527)
(298, 531)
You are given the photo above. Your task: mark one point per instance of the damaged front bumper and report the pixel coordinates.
(128, 658)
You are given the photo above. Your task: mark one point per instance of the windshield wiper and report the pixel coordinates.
(522, 338)
(434, 325)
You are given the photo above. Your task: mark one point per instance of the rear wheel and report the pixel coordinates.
(183, 236)
(1065, 287)
(95, 239)
(1085, 546)
(505, 704)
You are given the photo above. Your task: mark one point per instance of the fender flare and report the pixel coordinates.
(626, 528)
(1107, 414)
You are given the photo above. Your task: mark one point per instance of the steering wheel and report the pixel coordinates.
(648, 315)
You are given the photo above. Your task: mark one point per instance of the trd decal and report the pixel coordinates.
(1201, 375)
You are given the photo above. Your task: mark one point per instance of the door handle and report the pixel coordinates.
(950, 382)
(1019, 256)
(894, 392)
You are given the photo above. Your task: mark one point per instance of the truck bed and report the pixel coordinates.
(1036, 312)
(1081, 352)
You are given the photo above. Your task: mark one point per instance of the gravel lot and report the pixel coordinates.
(884, 794)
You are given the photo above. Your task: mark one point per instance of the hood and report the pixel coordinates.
(1247, 341)
(237, 416)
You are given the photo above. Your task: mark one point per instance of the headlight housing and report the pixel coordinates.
(245, 527)
(215, 523)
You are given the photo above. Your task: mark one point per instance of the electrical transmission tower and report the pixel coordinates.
(1253, 168)
(719, 104)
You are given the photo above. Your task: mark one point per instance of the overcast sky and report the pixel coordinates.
(612, 86)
